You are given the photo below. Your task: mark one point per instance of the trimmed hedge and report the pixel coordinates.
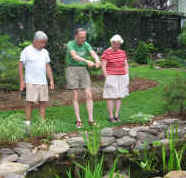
(19, 20)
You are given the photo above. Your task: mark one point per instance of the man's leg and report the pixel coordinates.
(89, 102)
(28, 110)
(42, 109)
(76, 104)
(110, 107)
(118, 104)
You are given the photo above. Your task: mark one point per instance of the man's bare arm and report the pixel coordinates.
(50, 75)
(21, 76)
(76, 57)
(96, 58)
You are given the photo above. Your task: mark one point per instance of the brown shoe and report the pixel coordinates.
(91, 123)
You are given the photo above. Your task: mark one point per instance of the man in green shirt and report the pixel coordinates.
(77, 76)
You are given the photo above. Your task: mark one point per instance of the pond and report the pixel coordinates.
(149, 165)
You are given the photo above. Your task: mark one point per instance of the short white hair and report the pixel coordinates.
(117, 38)
(40, 35)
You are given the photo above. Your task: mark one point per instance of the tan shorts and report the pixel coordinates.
(77, 78)
(36, 92)
(116, 86)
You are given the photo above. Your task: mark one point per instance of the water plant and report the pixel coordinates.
(172, 157)
(97, 172)
(92, 139)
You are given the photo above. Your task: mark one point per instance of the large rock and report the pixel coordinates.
(25, 145)
(133, 132)
(146, 137)
(176, 174)
(6, 151)
(12, 168)
(34, 160)
(8, 158)
(58, 147)
(75, 141)
(7, 155)
(106, 141)
(109, 149)
(150, 131)
(22, 150)
(118, 133)
(126, 141)
(107, 132)
(159, 127)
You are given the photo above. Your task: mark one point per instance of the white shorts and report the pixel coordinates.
(116, 86)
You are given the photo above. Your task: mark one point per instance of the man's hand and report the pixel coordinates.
(98, 64)
(22, 85)
(52, 85)
(90, 63)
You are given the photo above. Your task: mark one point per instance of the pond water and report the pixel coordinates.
(58, 168)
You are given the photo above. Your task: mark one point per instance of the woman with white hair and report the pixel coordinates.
(115, 70)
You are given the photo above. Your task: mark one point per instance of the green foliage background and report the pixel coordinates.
(102, 20)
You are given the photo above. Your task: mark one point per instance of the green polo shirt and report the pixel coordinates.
(81, 50)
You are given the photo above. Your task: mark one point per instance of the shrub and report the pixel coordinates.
(168, 63)
(9, 58)
(12, 128)
(182, 38)
(144, 52)
(175, 95)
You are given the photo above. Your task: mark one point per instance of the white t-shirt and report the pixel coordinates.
(35, 62)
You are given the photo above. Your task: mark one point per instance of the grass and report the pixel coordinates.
(147, 102)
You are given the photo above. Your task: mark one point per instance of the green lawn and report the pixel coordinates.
(148, 102)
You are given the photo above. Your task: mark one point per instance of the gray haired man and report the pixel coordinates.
(36, 61)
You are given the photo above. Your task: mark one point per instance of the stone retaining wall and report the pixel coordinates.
(17, 161)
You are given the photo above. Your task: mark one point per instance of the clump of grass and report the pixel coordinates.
(12, 128)
(41, 128)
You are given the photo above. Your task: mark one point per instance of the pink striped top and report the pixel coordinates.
(116, 61)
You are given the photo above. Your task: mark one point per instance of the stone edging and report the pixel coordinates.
(16, 162)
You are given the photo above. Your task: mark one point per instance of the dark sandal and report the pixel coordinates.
(91, 123)
(78, 124)
(112, 120)
(117, 119)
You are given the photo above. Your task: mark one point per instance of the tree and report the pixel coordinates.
(44, 18)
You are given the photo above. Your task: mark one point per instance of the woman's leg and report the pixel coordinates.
(110, 107)
(118, 104)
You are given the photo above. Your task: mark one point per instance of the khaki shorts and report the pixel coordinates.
(36, 92)
(77, 78)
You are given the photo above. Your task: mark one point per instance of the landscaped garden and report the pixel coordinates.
(148, 141)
